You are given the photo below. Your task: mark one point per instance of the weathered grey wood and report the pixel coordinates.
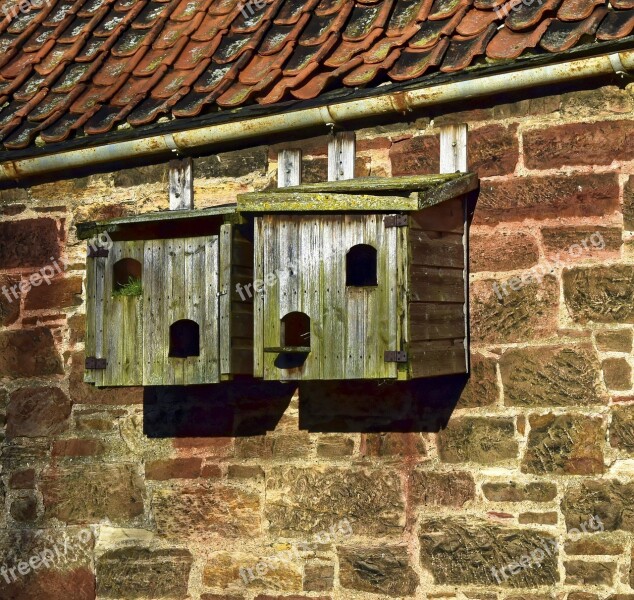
(341, 155)
(436, 321)
(242, 310)
(430, 359)
(224, 300)
(289, 167)
(100, 296)
(436, 284)
(259, 227)
(452, 189)
(437, 249)
(453, 148)
(181, 184)
(154, 301)
(89, 344)
(403, 333)
(213, 262)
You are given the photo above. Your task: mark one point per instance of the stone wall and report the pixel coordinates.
(366, 491)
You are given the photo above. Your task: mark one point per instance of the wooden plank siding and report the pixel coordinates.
(303, 264)
(437, 290)
(180, 280)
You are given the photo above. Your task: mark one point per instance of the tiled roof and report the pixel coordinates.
(86, 67)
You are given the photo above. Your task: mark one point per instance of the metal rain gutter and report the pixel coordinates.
(397, 102)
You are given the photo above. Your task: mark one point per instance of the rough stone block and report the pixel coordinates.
(610, 500)
(552, 376)
(580, 143)
(622, 428)
(335, 446)
(232, 164)
(206, 509)
(481, 440)
(383, 570)
(464, 551)
(310, 500)
(564, 445)
(431, 488)
(602, 294)
(482, 388)
(416, 156)
(143, 573)
(62, 292)
(564, 245)
(595, 545)
(534, 518)
(9, 304)
(617, 373)
(318, 577)
(393, 443)
(628, 204)
(28, 243)
(140, 176)
(173, 468)
(554, 196)
(530, 313)
(23, 509)
(37, 411)
(504, 251)
(78, 447)
(519, 492)
(493, 150)
(87, 492)
(29, 353)
(614, 340)
(579, 572)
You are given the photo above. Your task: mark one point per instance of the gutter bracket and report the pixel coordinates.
(170, 142)
(618, 66)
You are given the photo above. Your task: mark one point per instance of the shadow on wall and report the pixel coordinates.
(247, 407)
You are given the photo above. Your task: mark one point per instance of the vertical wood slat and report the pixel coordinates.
(453, 148)
(289, 167)
(224, 299)
(341, 155)
(258, 299)
(154, 299)
(100, 280)
(181, 184)
(89, 375)
(175, 307)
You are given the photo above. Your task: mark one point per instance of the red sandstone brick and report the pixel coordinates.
(579, 144)
(523, 198)
(22, 480)
(377, 143)
(572, 244)
(78, 447)
(416, 156)
(502, 251)
(28, 243)
(37, 412)
(9, 304)
(211, 472)
(61, 293)
(173, 468)
(493, 150)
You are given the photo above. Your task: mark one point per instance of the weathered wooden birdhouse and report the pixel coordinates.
(361, 279)
(161, 302)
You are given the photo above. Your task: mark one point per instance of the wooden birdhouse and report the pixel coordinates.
(161, 301)
(361, 279)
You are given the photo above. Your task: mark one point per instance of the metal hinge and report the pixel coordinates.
(397, 356)
(95, 363)
(396, 220)
(97, 252)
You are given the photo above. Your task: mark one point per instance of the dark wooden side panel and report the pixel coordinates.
(241, 305)
(438, 290)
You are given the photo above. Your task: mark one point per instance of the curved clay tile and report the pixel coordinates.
(345, 51)
(292, 10)
(414, 63)
(260, 66)
(509, 44)
(462, 51)
(577, 10)
(444, 9)
(250, 18)
(155, 58)
(622, 4)
(525, 15)
(380, 51)
(188, 9)
(329, 7)
(195, 52)
(282, 87)
(304, 56)
(562, 36)
(407, 14)
(318, 84)
(616, 25)
(365, 19)
(277, 36)
(476, 21)
(431, 31)
(210, 26)
(319, 29)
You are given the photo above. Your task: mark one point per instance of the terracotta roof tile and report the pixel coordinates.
(510, 44)
(562, 36)
(86, 67)
(576, 10)
(616, 25)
